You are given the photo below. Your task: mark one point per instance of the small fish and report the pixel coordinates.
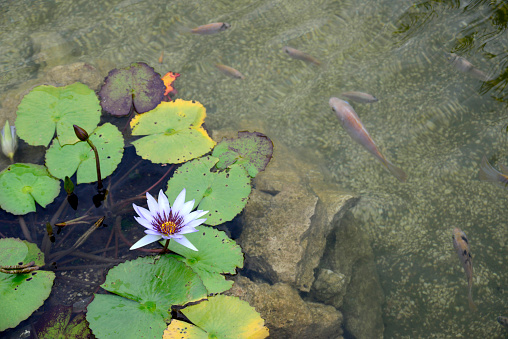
(363, 98)
(161, 58)
(503, 321)
(230, 71)
(466, 67)
(296, 54)
(213, 28)
(357, 131)
(489, 173)
(461, 245)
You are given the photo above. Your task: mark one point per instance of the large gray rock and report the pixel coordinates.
(291, 211)
(285, 313)
(351, 256)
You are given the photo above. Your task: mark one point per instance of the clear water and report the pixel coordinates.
(431, 120)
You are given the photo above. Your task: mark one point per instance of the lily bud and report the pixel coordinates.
(9, 140)
(80, 133)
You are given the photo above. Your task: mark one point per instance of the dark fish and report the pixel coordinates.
(230, 71)
(503, 321)
(489, 173)
(363, 98)
(357, 131)
(213, 28)
(461, 245)
(296, 54)
(466, 67)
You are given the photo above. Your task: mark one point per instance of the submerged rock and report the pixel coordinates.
(286, 314)
(290, 213)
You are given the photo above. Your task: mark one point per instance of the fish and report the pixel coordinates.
(212, 28)
(161, 58)
(363, 98)
(461, 245)
(230, 71)
(489, 173)
(299, 55)
(465, 66)
(503, 321)
(354, 127)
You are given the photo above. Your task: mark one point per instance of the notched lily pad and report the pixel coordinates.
(226, 317)
(137, 85)
(173, 132)
(21, 294)
(46, 108)
(216, 255)
(63, 161)
(146, 289)
(21, 185)
(253, 151)
(224, 194)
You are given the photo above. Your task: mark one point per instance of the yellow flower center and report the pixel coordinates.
(168, 228)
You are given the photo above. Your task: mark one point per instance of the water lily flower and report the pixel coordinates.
(168, 222)
(9, 140)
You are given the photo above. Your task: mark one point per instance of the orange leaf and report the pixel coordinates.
(168, 79)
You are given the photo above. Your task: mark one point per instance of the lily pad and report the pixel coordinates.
(47, 108)
(253, 151)
(137, 85)
(216, 255)
(226, 317)
(21, 294)
(181, 330)
(151, 287)
(57, 323)
(174, 132)
(63, 161)
(21, 185)
(224, 194)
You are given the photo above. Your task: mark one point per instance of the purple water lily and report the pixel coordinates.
(165, 222)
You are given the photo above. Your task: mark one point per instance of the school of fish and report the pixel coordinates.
(352, 124)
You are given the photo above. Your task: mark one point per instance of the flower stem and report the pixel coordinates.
(165, 249)
(97, 164)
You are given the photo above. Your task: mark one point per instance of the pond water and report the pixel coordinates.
(432, 120)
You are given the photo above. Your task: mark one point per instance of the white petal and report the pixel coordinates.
(186, 230)
(147, 239)
(152, 232)
(183, 241)
(152, 204)
(163, 203)
(195, 223)
(187, 207)
(143, 213)
(179, 201)
(144, 222)
(194, 215)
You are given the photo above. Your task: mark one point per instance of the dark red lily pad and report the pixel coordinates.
(137, 85)
(253, 151)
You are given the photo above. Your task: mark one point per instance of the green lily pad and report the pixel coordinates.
(63, 161)
(216, 255)
(224, 194)
(174, 132)
(21, 294)
(137, 85)
(227, 317)
(151, 287)
(57, 323)
(253, 151)
(21, 185)
(46, 108)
